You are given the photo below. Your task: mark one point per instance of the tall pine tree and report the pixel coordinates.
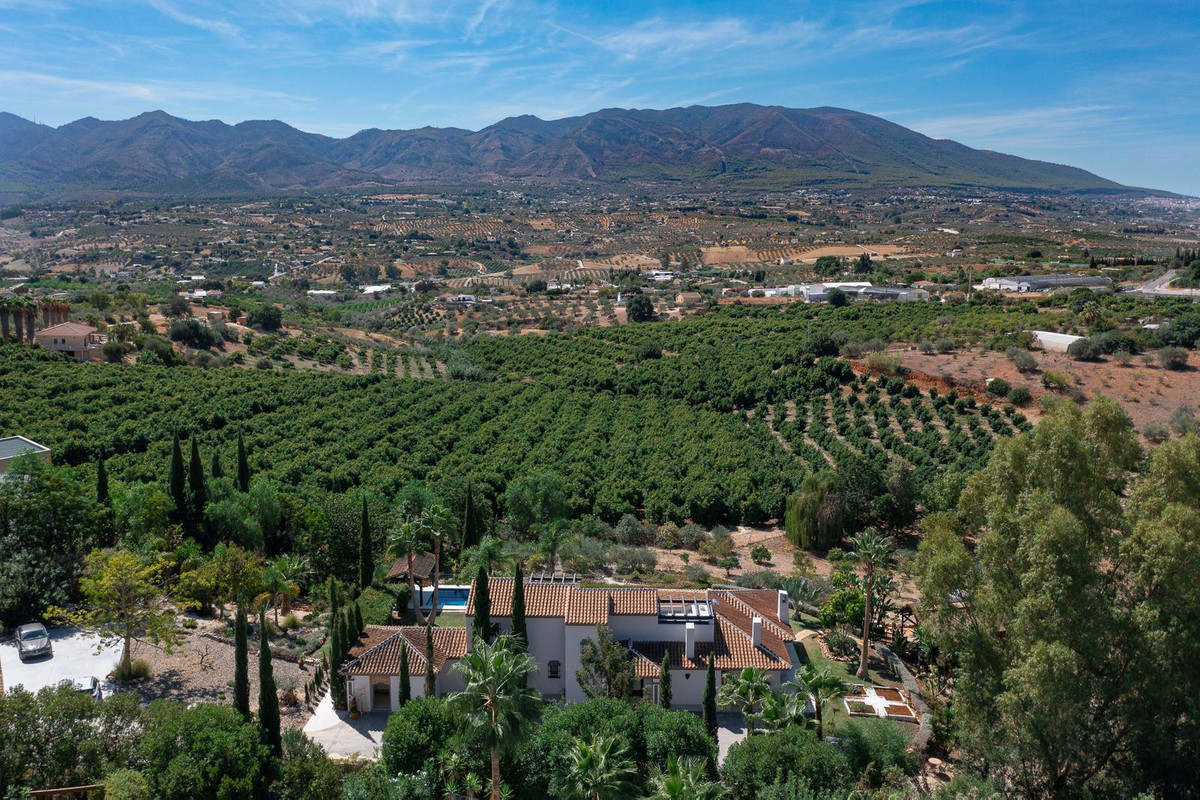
(482, 629)
(709, 702)
(664, 681)
(268, 695)
(519, 630)
(366, 559)
(243, 467)
(196, 491)
(430, 675)
(241, 666)
(405, 680)
(216, 470)
(177, 483)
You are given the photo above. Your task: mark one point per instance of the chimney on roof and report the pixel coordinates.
(784, 611)
(689, 641)
(756, 632)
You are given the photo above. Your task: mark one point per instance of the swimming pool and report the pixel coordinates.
(450, 597)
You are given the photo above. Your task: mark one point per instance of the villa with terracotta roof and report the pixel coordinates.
(81, 341)
(739, 627)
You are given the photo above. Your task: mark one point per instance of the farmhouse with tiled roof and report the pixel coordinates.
(738, 627)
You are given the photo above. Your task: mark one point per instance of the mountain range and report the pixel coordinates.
(738, 145)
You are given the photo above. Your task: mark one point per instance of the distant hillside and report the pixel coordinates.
(744, 145)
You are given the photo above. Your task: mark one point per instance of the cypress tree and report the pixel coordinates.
(243, 467)
(519, 630)
(346, 624)
(337, 654)
(216, 470)
(405, 680)
(241, 666)
(709, 702)
(196, 489)
(358, 620)
(102, 482)
(268, 695)
(483, 608)
(366, 559)
(430, 675)
(335, 602)
(177, 483)
(664, 681)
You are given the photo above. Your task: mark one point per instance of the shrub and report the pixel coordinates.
(690, 536)
(760, 579)
(758, 762)
(1023, 360)
(1019, 396)
(629, 560)
(717, 546)
(696, 573)
(192, 333)
(883, 363)
(139, 668)
(1057, 380)
(126, 784)
(584, 555)
(1183, 420)
(416, 732)
(203, 751)
(998, 387)
(1156, 432)
(875, 746)
(759, 554)
(1173, 358)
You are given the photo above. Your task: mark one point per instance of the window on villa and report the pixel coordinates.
(553, 669)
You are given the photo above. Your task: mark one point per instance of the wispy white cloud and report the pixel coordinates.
(219, 27)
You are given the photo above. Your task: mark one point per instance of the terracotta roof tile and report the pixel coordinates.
(541, 599)
(378, 652)
(593, 606)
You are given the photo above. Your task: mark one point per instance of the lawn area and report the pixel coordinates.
(835, 713)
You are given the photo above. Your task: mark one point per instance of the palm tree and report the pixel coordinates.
(278, 588)
(490, 553)
(551, 542)
(601, 769)
(5, 304)
(819, 686)
(684, 779)
(782, 710)
(495, 696)
(439, 524)
(295, 569)
(748, 690)
(1090, 313)
(406, 536)
(874, 553)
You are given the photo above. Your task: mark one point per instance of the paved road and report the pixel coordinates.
(1157, 287)
(74, 658)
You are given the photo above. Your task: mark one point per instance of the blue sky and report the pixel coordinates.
(1113, 87)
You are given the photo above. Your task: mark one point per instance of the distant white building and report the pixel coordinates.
(1044, 283)
(1054, 342)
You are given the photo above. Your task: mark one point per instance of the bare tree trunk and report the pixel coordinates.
(412, 590)
(18, 324)
(866, 634)
(437, 566)
(30, 321)
(495, 773)
(4, 323)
